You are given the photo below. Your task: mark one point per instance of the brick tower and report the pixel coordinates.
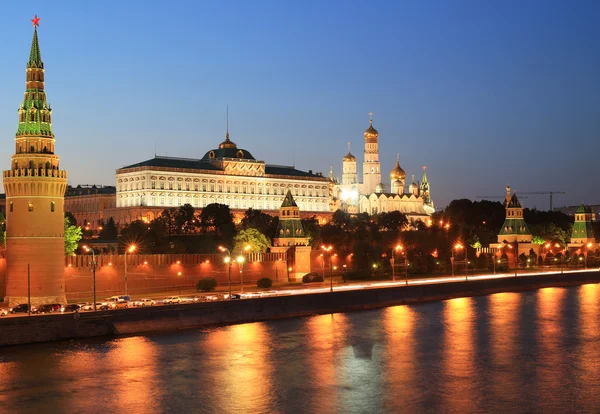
(35, 188)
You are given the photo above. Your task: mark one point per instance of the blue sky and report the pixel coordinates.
(483, 93)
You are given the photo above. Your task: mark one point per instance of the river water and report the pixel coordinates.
(535, 351)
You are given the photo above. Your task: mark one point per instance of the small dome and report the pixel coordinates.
(397, 185)
(380, 188)
(227, 143)
(397, 173)
(412, 187)
(349, 157)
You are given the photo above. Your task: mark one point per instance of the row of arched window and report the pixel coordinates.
(30, 206)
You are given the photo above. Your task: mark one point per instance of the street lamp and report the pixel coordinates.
(329, 249)
(130, 249)
(585, 252)
(457, 246)
(240, 261)
(227, 261)
(93, 263)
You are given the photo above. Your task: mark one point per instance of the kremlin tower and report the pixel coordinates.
(35, 188)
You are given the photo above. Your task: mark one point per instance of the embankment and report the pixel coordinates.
(42, 328)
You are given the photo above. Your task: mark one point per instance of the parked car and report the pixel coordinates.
(87, 306)
(73, 307)
(56, 307)
(171, 300)
(312, 278)
(211, 298)
(143, 302)
(47, 308)
(102, 306)
(22, 308)
(3, 311)
(234, 296)
(119, 304)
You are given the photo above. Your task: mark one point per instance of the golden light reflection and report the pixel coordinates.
(459, 389)
(399, 324)
(549, 366)
(245, 375)
(326, 336)
(587, 360)
(504, 316)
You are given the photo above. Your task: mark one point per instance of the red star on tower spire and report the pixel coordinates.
(35, 21)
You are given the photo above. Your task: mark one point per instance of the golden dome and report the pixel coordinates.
(380, 188)
(227, 143)
(397, 173)
(349, 156)
(371, 132)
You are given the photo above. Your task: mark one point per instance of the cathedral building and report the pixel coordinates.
(35, 188)
(372, 196)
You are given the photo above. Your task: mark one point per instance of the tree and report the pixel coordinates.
(217, 219)
(71, 217)
(109, 230)
(134, 232)
(258, 242)
(2, 230)
(263, 222)
(168, 221)
(72, 237)
(185, 219)
(392, 221)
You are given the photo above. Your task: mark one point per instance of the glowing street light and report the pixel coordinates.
(240, 261)
(129, 249)
(457, 246)
(328, 249)
(93, 263)
(227, 261)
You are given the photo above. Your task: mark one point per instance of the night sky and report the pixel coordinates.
(483, 93)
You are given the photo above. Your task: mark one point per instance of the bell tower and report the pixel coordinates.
(35, 188)
(371, 167)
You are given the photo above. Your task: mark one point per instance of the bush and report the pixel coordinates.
(206, 284)
(264, 283)
(311, 278)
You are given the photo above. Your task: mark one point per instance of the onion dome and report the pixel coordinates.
(397, 186)
(349, 156)
(413, 188)
(227, 143)
(371, 133)
(380, 188)
(397, 173)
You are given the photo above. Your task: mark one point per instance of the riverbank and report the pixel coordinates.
(52, 327)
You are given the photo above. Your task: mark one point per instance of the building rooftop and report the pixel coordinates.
(87, 189)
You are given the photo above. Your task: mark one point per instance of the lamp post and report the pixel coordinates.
(227, 261)
(328, 249)
(545, 248)
(240, 261)
(457, 246)
(93, 263)
(585, 252)
(130, 249)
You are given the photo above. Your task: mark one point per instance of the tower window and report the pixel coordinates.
(30, 206)
(11, 207)
(52, 206)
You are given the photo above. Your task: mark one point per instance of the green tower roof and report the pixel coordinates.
(514, 202)
(289, 201)
(583, 210)
(35, 57)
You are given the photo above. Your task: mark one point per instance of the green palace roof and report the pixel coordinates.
(204, 164)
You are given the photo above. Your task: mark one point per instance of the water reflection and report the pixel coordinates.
(503, 319)
(399, 325)
(459, 386)
(326, 335)
(243, 376)
(587, 354)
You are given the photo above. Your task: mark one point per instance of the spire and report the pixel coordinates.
(348, 148)
(289, 201)
(371, 118)
(227, 123)
(35, 58)
(424, 180)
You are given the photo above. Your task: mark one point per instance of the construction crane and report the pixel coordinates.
(490, 197)
(551, 193)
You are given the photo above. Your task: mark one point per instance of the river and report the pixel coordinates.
(536, 351)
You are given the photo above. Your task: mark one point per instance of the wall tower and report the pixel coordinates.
(35, 188)
(371, 167)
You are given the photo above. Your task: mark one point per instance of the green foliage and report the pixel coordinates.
(263, 222)
(71, 218)
(264, 283)
(538, 240)
(258, 242)
(217, 219)
(72, 237)
(312, 229)
(206, 284)
(185, 219)
(392, 221)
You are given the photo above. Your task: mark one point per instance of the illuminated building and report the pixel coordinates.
(226, 175)
(583, 228)
(35, 188)
(371, 196)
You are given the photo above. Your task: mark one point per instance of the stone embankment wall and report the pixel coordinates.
(164, 318)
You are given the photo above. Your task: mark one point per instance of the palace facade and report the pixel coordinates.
(226, 175)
